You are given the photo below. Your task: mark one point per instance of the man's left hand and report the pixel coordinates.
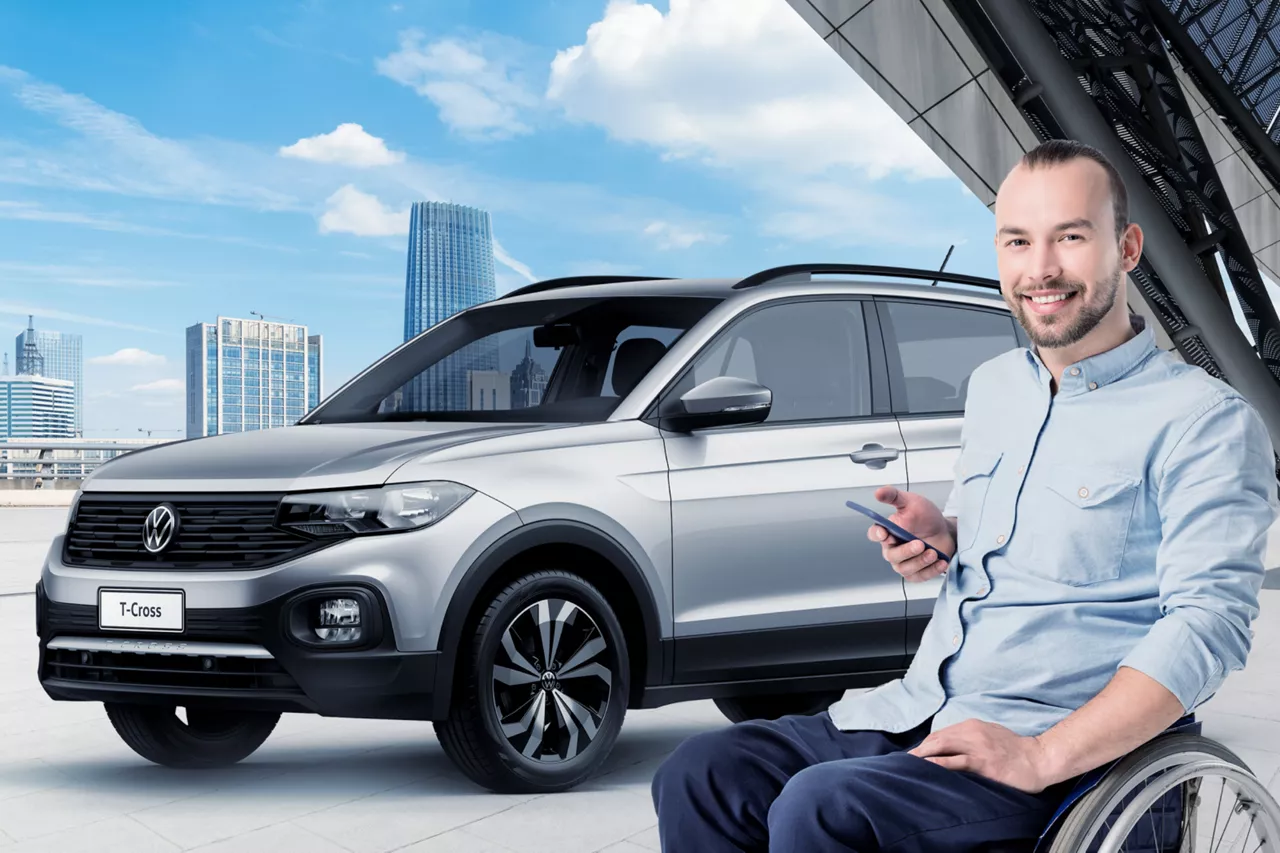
(991, 751)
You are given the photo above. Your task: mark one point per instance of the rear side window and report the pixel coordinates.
(933, 348)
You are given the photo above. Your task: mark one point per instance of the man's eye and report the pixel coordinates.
(1016, 241)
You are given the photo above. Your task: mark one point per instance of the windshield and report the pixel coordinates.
(569, 360)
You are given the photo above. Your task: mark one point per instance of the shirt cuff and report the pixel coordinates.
(1174, 656)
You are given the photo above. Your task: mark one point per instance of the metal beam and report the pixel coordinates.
(1173, 261)
(1224, 101)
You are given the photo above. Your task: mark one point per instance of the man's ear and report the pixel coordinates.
(1131, 246)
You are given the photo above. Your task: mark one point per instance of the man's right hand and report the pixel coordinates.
(922, 517)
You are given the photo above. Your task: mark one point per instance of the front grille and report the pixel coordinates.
(214, 532)
(153, 670)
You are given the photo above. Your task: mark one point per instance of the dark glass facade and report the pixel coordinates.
(250, 374)
(450, 268)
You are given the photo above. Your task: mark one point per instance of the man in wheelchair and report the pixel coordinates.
(1108, 524)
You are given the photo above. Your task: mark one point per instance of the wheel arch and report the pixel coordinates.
(557, 543)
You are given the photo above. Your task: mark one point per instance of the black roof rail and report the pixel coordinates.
(775, 273)
(579, 281)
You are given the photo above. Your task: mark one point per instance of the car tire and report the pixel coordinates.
(774, 705)
(509, 672)
(208, 737)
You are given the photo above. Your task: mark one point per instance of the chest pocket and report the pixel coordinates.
(1078, 518)
(977, 469)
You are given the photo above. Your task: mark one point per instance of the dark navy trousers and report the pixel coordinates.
(800, 785)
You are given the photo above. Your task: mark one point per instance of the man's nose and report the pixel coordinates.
(1044, 265)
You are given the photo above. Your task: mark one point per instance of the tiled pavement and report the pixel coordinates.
(67, 783)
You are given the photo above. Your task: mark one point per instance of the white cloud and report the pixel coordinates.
(741, 83)
(601, 268)
(843, 215)
(129, 357)
(501, 256)
(477, 97)
(51, 275)
(348, 145)
(353, 212)
(161, 386)
(115, 153)
(669, 236)
(23, 311)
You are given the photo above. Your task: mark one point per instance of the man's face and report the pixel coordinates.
(1059, 258)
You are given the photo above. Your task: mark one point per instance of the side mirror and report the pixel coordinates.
(720, 401)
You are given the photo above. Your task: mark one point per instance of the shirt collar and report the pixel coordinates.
(1099, 370)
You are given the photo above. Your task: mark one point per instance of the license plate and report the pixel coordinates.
(140, 610)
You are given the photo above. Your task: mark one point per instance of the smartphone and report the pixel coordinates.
(899, 533)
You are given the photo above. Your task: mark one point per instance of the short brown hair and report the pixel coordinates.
(1058, 151)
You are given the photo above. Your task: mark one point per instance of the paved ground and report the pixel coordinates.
(67, 784)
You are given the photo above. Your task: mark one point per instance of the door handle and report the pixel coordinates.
(874, 455)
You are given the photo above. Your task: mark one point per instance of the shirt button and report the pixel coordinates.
(955, 641)
(1023, 468)
(982, 591)
(1000, 539)
(1093, 386)
(1084, 493)
(1075, 371)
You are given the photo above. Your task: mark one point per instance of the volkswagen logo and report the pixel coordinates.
(160, 528)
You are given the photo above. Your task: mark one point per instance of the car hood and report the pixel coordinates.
(293, 458)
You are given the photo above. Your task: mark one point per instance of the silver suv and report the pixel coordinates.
(590, 495)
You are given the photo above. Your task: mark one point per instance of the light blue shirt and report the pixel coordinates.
(1119, 522)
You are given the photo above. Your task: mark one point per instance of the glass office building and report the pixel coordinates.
(250, 374)
(450, 268)
(57, 355)
(36, 407)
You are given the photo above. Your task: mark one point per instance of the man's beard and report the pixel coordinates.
(1053, 331)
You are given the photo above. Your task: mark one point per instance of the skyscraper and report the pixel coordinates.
(56, 355)
(250, 374)
(33, 406)
(450, 268)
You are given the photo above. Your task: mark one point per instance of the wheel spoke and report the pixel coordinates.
(566, 720)
(589, 650)
(513, 677)
(544, 631)
(509, 643)
(522, 725)
(597, 669)
(567, 611)
(581, 716)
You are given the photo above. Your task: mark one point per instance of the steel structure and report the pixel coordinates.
(1180, 94)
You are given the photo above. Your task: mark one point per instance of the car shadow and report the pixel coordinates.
(412, 766)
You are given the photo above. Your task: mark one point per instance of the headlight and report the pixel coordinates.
(405, 506)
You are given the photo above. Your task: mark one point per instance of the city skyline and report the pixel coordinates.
(130, 212)
(226, 159)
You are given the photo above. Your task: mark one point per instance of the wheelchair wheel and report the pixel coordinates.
(1178, 793)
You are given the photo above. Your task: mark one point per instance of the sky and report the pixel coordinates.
(163, 164)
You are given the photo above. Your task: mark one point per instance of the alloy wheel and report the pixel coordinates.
(551, 683)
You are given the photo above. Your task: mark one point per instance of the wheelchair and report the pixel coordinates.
(1151, 801)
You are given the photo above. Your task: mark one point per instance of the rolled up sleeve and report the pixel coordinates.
(1217, 503)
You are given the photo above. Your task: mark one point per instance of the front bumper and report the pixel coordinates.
(243, 658)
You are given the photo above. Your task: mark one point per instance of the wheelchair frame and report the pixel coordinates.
(1172, 769)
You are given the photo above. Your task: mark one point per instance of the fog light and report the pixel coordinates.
(338, 621)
